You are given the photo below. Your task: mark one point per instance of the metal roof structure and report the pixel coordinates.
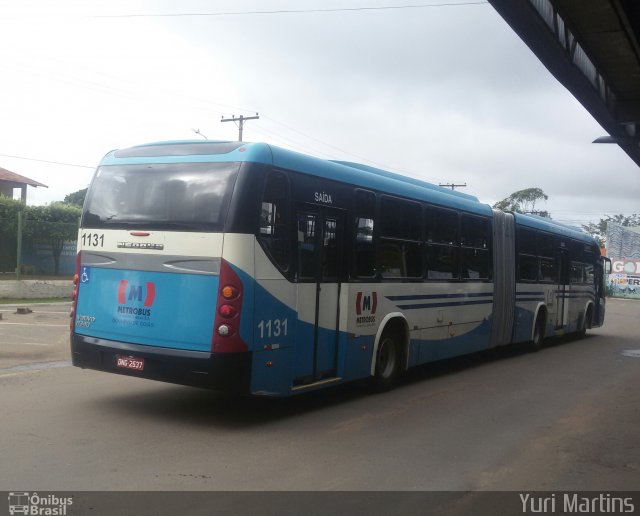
(10, 180)
(593, 48)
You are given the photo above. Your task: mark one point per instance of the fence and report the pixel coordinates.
(30, 247)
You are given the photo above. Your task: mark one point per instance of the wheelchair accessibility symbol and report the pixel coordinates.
(85, 276)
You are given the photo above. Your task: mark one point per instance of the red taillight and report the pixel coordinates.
(227, 311)
(226, 331)
(74, 294)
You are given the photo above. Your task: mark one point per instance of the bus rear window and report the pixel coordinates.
(175, 196)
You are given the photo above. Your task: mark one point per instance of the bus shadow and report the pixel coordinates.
(448, 366)
(212, 409)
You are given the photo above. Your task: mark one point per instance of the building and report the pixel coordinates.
(623, 247)
(10, 180)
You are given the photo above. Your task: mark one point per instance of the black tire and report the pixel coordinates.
(586, 323)
(538, 335)
(388, 363)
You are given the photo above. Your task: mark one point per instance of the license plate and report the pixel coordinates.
(137, 364)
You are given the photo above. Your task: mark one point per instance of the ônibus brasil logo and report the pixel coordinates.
(136, 300)
(366, 305)
(38, 505)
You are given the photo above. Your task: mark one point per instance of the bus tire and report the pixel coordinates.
(586, 322)
(538, 334)
(388, 362)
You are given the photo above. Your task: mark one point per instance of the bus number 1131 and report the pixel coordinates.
(275, 328)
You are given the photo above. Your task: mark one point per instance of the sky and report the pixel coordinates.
(446, 93)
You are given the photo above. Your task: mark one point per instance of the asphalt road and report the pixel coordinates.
(566, 418)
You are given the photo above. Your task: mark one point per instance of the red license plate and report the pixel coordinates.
(135, 363)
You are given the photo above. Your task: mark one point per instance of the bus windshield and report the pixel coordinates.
(164, 196)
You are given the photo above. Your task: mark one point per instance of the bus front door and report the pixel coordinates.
(319, 256)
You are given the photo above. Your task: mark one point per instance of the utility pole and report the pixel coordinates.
(451, 185)
(241, 119)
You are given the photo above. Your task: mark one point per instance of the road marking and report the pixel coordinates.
(33, 324)
(633, 353)
(31, 368)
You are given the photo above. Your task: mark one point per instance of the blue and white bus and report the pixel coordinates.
(248, 268)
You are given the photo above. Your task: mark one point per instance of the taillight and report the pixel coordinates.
(74, 294)
(226, 330)
(227, 311)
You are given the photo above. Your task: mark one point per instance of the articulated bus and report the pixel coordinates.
(247, 268)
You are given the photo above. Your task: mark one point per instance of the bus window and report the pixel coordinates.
(576, 273)
(527, 241)
(442, 226)
(528, 267)
(441, 260)
(169, 197)
(306, 245)
(399, 254)
(548, 270)
(475, 256)
(330, 258)
(546, 245)
(475, 264)
(527, 255)
(442, 241)
(589, 274)
(364, 251)
(273, 219)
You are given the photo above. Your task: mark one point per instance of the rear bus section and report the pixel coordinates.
(154, 297)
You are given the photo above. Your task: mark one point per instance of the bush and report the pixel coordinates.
(54, 224)
(8, 232)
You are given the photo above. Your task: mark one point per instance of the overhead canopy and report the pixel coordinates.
(592, 48)
(10, 180)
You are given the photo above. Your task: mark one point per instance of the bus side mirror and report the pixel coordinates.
(607, 266)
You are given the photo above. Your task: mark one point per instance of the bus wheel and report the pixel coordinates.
(387, 363)
(538, 335)
(586, 323)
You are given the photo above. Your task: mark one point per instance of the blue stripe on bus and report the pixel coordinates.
(436, 296)
(442, 305)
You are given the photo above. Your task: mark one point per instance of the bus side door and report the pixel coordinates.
(562, 304)
(319, 256)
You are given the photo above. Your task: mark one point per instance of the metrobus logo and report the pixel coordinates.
(136, 293)
(366, 302)
(366, 305)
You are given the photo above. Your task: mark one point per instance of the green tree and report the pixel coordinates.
(54, 224)
(599, 230)
(9, 209)
(524, 201)
(76, 198)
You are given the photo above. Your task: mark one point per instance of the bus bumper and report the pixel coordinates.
(228, 372)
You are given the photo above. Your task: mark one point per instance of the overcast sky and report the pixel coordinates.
(448, 94)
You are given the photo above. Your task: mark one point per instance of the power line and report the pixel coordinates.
(291, 11)
(242, 119)
(453, 186)
(347, 153)
(47, 161)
